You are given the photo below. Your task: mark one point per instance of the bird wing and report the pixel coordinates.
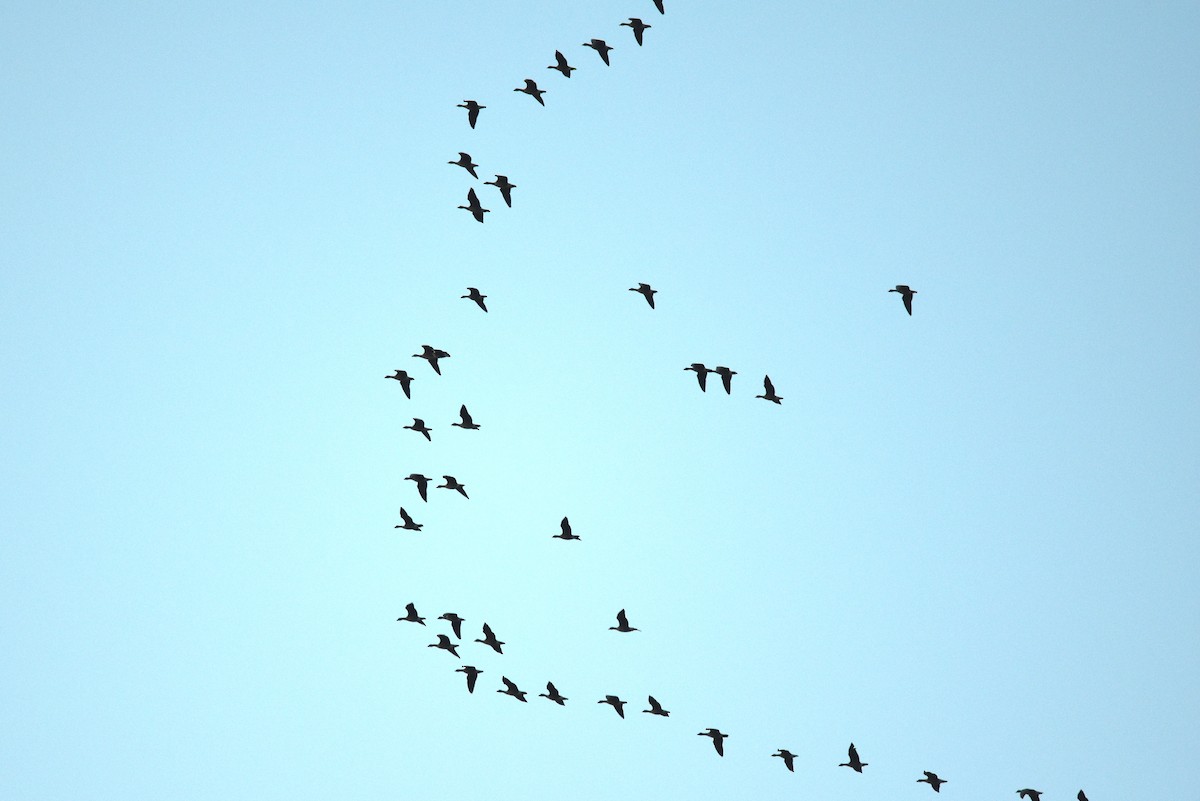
(655, 705)
(907, 297)
(659, 5)
(408, 521)
(767, 385)
(566, 527)
(719, 744)
(622, 621)
(508, 683)
(487, 632)
(465, 415)
(472, 198)
(411, 608)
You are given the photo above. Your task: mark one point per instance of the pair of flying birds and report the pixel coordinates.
(422, 483)
(466, 422)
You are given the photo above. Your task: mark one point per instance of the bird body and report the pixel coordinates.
(638, 26)
(465, 421)
(646, 291)
(656, 708)
(513, 690)
(769, 391)
(422, 483)
(432, 354)
(855, 763)
(933, 781)
(566, 531)
(489, 639)
(701, 374)
(615, 702)
(553, 694)
(452, 483)
(405, 381)
(906, 294)
(718, 739)
(502, 183)
(601, 47)
(412, 616)
(420, 427)
(445, 644)
(409, 524)
(474, 294)
(788, 758)
(474, 206)
(455, 623)
(531, 89)
(464, 161)
(472, 674)
(622, 623)
(561, 64)
(472, 108)
(726, 376)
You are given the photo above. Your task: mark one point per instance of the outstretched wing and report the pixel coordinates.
(465, 415)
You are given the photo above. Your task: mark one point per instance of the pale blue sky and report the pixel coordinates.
(966, 541)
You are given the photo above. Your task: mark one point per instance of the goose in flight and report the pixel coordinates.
(566, 531)
(933, 781)
(475, 295)
(906, 295)
(788, 758)
(638, 26)
(489, 639)
(701, 374)
(464, 161)
(474, 206)
(718, 739)
(506, 188)
(412, 616)
(646, 291)
(445, 644)
(855, 763)
(465, 421)
(769, 391)
(422, 483)
(622, 623)
(472, 674)
(601, 47)
(455, 623)
(511, 689)
(656, 708)
(1032, 795)
(453, 484)
(615, 702)
(405, 382)
(420, 427)
(531, 89)
(562, 65)
(726, 376)
(472, 108)
(432, 354)
(553, 694)
(408, 522)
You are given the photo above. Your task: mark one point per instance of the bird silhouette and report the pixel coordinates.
(638, 26)
(659, 5)
(531, 89)
(452, 484)
(489, 639)
(769, 390)
(553, 694)
(906, 295)
(788, 758)
(933, 781)
(562, 65)
(422, 483)
(432, 354)
(726, 376)
(646, 291)
(505, 188)
(420, 427)
(600, 47)
(511, 689)
(475, 295)
(465, 421)
(1081, 796)
(718, 739)
(615, 702)
(622, 623)
(412, 616)
(455, 623)
(472, 674)
(405, 382)
(474, 206)
(464, 161)
(855, 763)
(408, 522)
(656, 708)
(566, 531)
(472, 110)
(445, 644)
(1032, 795)
(701, 374)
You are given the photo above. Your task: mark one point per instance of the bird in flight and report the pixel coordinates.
(472, 674)
(445, 644)
(511, 689)
(412, 616)
(408, 522)
(701, 374)
(718, 739)
(659, 5)
(622, 623)
(566, 531)
(906, 295)
(726, 376)
(505, 188)
(405, 382)
(420, 427)
(1081, 796)
(656, 708)
(452, 484)
(562, 65)
(475, 295)
(854, 763)
(431, 355)
(646, 291)
(638, 26)
(455, 623)
(464, 161)
(465, 419)
(422, 483)
(1032, 795)
(553, 694)
(472, 108)
(601, 47)
(531, 89)
(788, 758)
(769, 390)
(933, 781)
(474, 206)
(615, 702)
(489, 639)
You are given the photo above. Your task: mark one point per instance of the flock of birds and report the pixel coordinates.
(434, 355)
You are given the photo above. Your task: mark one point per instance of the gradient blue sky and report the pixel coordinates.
(966, 541)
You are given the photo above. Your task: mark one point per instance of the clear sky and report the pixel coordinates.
(966, 541)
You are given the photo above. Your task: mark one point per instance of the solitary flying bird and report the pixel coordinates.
(726, 376)
(933, 781)
(474, 206)
(718, 739)
(656, 708)
(622, 623)
(638, 26)
(445, 644)
(553, 694)
(788, 758)
(405, 382)
(531, 89)
(647, 292)
(420, 427)
(472, 674)
(562, 65)
(505, 188)
(906, 295)
(701, 374)
(422, 483)
(464, 161)
(465, 419)
(489, 639)
(855, 763)
(566, 531)
(600, 47)
(412, 616)
(408, 522)
(452, 484)
(475, 295)
(511, 689)
(472, 108)
(769, 389)
(1032, 795)
(615, 702)
(659, 5)
(455, 623)
(431, 354)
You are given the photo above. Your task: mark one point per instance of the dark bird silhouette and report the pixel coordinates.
(622, 623)
(718, 739)
(422, 483)
(933, 781)
(472, 674)
(511, 689)
(659, 5)
(465, 421)
(474, 206)
(788, 758)
(855, 763)
(472, 110)
(638, 26)
(452, 484)
(445, 644)
(600, 47)
(906, 295)
(656, 708)
(562, 65)
(431, 354)
(1032, 795)
(412, 616)
(566, 531)
(615, 702)
(489, 639)
(477, 296)
(726, 376)
(553, 694)
(405, 382)
(420, 427)
(464, 161)
(408, 522)
(455, 623)
(531, 89)
(769, 390)
(505, 188)
(701, 374)
(1081, 796)
(647, 292)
